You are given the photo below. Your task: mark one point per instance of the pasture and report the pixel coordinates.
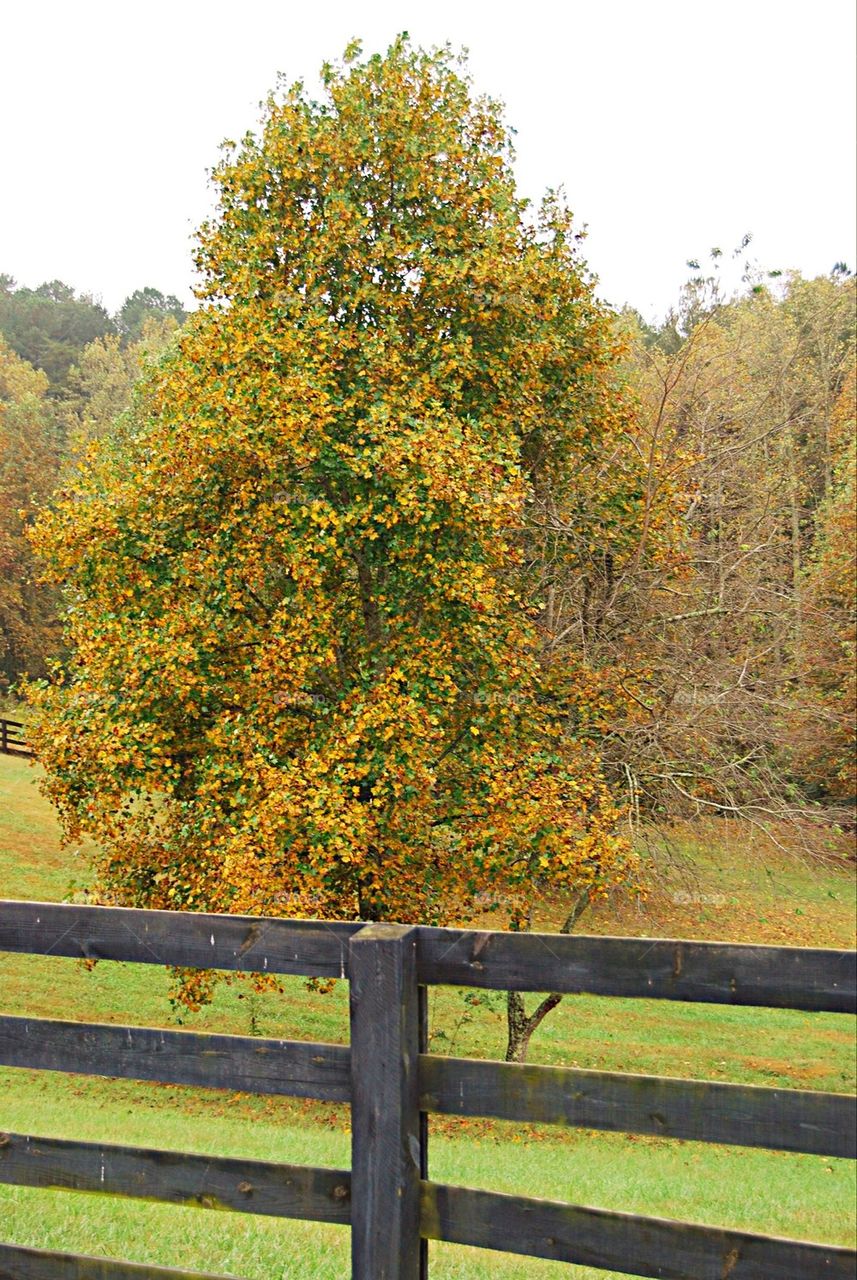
(800, 1196)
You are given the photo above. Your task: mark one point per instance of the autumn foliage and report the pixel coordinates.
(310, 672)
(29, 459)
(824, 731)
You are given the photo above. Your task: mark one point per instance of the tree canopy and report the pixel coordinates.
(143, 305)
(306, 674)
(49, 326)
(29, 462)
(52, 325)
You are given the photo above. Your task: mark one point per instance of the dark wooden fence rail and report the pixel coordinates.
(12, 741)
(387, 1198)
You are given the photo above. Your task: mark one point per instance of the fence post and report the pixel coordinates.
(385, 1115)
(4, 745)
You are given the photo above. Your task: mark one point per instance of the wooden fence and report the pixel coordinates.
(12, 740)
(387, 1197)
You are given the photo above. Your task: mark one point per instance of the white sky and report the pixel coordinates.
(674, 125)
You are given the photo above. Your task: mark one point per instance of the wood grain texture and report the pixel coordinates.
(20, 1263)
(289, 1067)
(385, 1114)
(206, 1182)
(701, 1110)
(622, 1242)
(728, 973)
(710, 972)
(187, 939)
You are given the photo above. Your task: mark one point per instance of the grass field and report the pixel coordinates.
(719, 888)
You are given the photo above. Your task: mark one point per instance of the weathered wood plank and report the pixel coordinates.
(710, 972)
(385, 1114)
(702, 1110)
(20, 1263)
(188, 939)
(289, 1067)
(781, 977)
(207, 1182)
(622, 1242)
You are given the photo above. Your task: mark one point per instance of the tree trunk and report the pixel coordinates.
(520, 1025)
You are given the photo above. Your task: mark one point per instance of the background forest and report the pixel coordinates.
(66, 373)
(702, 600)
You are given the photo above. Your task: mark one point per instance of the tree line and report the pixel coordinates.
(67, 369)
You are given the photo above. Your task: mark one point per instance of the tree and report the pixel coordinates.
(100, 386)
(145, 305)
(822, 739)
(50, 326)
(306, 673)
(29, 458)
(742, 397)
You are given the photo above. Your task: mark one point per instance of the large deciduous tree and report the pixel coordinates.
(306, 672)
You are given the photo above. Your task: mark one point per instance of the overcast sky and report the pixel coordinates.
(674, 125)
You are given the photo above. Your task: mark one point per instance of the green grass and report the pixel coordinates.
(773, 1192)
(33, 863)
(776, 1192)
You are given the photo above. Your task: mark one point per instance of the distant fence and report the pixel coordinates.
(12, 740)
(391, 1082)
